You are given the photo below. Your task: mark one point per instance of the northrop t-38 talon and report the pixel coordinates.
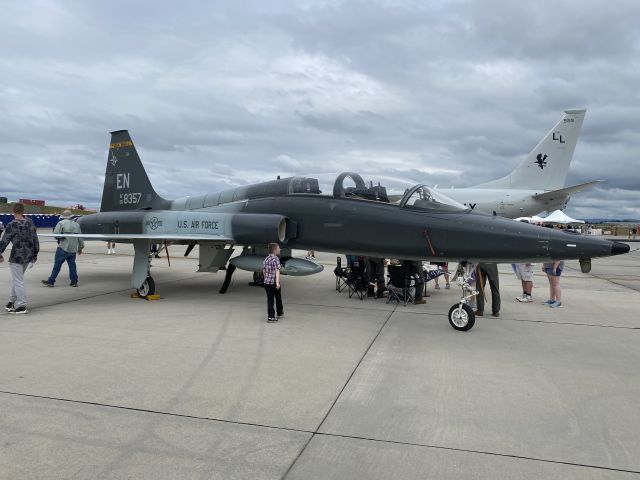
(292, 211)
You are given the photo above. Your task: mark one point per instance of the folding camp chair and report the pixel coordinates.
(356, 280)
(401, 285)
(356, 284)
(341, 275)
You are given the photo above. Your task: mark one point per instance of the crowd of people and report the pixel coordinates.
(481, 275)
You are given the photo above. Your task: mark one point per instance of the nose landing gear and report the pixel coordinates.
(461, 316)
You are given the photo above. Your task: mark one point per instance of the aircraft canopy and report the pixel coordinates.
(422, 197)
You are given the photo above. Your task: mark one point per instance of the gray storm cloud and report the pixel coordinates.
(216, 95)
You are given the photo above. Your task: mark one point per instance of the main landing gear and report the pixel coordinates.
(461, 316)
(141, 279)
(147, 288)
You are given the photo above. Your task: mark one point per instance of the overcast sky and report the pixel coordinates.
(219, 94)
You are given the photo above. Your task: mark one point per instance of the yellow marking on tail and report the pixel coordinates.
(127, 143)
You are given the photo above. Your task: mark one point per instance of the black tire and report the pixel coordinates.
(147, 288)
(464, 320)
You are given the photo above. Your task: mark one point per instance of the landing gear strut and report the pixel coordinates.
(141, 279)
(461, 316)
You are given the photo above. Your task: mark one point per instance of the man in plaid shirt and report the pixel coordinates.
(271, 271)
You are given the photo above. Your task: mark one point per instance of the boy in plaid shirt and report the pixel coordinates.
(271, 271)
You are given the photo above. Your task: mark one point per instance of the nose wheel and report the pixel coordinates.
(461, 317)
(147, 288)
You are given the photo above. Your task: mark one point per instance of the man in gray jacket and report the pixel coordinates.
(67, 249)
(21, 233)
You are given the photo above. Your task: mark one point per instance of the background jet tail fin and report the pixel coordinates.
(126, 184)
(547, 165)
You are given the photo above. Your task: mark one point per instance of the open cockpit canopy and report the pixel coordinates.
(422, 197)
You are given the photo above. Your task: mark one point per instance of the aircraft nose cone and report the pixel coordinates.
(619, 248)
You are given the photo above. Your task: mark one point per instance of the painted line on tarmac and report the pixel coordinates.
(482, 452)
(551, 322)
(153, 412)
(608, 279)
(313, 433)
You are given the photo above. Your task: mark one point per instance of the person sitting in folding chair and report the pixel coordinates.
(356, 281)
(375, 277)
(402, 285)
(415, 271)
(397, 288)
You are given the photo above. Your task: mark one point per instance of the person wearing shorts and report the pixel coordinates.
(444, 266)
(553, 271)
(524, 273)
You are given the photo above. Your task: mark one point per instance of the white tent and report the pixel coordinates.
(560, 217)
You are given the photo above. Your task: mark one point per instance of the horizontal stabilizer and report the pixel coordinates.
(565, 192)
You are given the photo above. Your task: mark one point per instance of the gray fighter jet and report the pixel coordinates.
(425, 224)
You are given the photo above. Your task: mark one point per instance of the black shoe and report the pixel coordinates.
(157, 256)
(280, 315)
(21, 310)
(496, 314)
(271, 319)
(10, 307)
(46, 283)
(73, 284)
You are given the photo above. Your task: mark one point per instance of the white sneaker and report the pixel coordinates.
(524, 299)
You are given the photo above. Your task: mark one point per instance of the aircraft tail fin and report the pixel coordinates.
(547, 165)
(126, 184)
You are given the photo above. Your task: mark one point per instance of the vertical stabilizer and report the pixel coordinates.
(126, 184)
(547, 165)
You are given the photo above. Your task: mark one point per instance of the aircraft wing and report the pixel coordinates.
(183, 226)
(143, 236)
(565, 192)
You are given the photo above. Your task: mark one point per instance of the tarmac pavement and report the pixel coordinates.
(95, 384)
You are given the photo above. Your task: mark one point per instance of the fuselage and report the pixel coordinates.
(509, 203)
(373, 228)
